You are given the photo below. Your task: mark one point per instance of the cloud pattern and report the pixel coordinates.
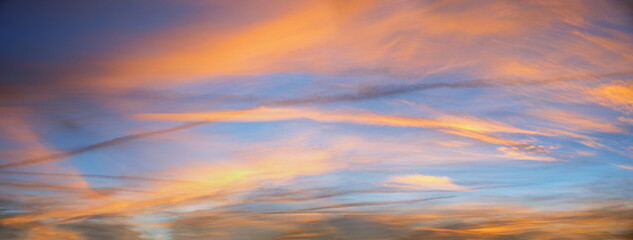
(316, 120)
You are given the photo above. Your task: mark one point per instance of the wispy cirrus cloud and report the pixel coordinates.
(465, 126)
(277, 120)
(423, 182)
(624, 167)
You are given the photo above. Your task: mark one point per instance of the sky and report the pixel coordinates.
(160, 119)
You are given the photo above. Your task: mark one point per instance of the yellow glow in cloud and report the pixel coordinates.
(423, 182)
(210, 182)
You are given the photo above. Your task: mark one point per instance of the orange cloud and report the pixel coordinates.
(466, 126)
(624, 166)
(536, 39)
(617, 95)
(624, 119)
(407, 38)
(208, 183)
(19, 127)
(576, 121)
(254, 47)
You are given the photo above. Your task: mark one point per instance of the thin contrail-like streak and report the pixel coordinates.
(380, 91)
(127, 178)
(363, 94)
(57, 187)
(107, 143)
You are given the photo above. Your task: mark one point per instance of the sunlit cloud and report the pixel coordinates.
(466, 126)
(617, 96)
(515, 153)
(624, 167)
(577, 122)
(316, 119)
(423, 182)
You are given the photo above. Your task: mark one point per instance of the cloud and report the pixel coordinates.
(423, 182)
(254, 47)
(500, 72)
(44, 186)
(617, 95)
(350, 226)
(19, 128)
(9, 232)
(624, 166)
(356, 205)
(362, 94)
(575, 121)
(481, 222)
(515, 153)
(210, 182)
(624, 119)
(128, 178)
(329, 37)
(99, 230)
(91, 147)
(466, 126)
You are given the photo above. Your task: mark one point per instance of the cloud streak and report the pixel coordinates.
(316, 120)
(109, 177)
(363, 94)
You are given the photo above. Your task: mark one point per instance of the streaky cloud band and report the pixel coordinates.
(364, 93)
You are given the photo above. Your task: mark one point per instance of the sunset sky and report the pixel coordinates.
(330, 119)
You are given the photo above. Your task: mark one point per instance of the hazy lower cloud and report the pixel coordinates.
(316, 119)
(97, 230)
